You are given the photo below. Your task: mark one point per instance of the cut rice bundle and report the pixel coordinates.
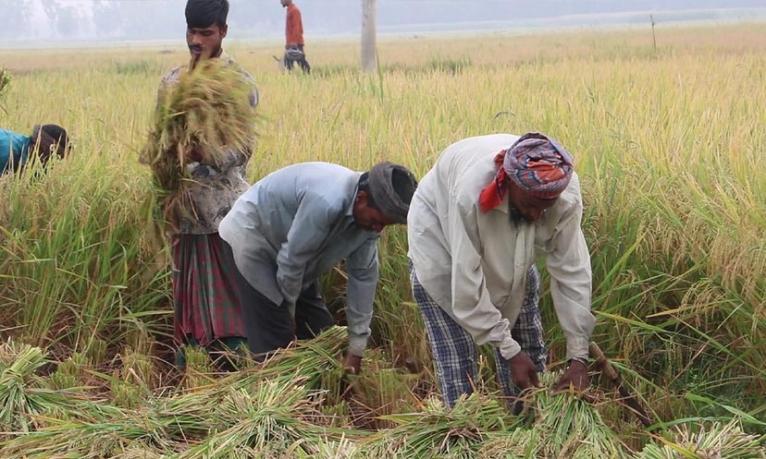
(709, 442)
(201, 119)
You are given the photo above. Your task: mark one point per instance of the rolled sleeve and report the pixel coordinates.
(471, 303)
(362, 281)
(569, 267)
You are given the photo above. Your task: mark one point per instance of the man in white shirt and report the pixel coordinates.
(475, 225)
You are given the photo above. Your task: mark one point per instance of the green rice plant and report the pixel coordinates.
(133, 381)
(5, 83)
(72, 372)
(198, 370)
(706, 441)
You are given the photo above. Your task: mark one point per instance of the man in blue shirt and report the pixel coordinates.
(46, 140)
(296, 224)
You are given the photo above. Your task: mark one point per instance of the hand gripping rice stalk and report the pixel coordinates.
(205, 115)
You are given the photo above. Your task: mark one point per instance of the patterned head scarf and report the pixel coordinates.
(536, 164)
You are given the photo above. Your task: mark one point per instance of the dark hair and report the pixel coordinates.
(47, 136)
(205, 13)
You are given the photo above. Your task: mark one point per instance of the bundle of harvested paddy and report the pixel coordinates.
(18, 402)
(24, 396)
(441, 432)
(570, 426)
(709, 442)
(201, 119)
(91, 439)
(270, 420)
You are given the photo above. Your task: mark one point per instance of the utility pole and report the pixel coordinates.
(369, 51)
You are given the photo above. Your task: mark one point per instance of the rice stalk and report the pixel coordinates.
(516, 444)
(571, 426)
(270, 420)
(5, 81)
(23, 395)
(441, 432)
(201, 119)
(92, 438)
(711, 441)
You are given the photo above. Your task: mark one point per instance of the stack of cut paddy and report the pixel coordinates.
(201, 118)
(478, 426)
(711, 441)
(252, 413)
(460, 432)
(571, 427)
(24, 397)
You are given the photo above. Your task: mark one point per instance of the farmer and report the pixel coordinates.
(206, 300)
(475, 226)
(296, 224)
(46, 140)
(294, 38)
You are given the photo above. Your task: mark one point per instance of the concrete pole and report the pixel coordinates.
(369, 54)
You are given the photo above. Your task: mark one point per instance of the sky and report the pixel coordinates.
(29, 21)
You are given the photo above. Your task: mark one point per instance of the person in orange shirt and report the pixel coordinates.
(294, 38)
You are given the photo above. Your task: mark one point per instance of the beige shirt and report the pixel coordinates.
(474, 264)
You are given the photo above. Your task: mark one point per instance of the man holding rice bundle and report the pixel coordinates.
(204, 179)
(295, 225)
(474, 227)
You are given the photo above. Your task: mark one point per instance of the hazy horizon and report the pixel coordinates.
(64, 22)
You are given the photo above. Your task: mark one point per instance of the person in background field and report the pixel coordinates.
(294, 38)
(47, 140)
(206, 301)
(294, 225)
(474, 227)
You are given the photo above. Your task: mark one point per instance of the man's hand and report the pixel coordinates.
(523, 371)
(575, 377)
(352, 364)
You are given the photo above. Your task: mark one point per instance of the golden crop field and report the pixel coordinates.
(670, 146)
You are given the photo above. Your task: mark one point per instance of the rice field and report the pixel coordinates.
(669, 144)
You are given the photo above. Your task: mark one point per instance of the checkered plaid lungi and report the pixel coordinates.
(205, 290)
(454, 350)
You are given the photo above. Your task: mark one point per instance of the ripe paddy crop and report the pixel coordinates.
(670, 149)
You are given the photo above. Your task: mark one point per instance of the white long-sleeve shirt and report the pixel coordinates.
(474, 264)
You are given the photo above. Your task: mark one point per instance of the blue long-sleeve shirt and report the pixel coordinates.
(296, 224)
(14, 150)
